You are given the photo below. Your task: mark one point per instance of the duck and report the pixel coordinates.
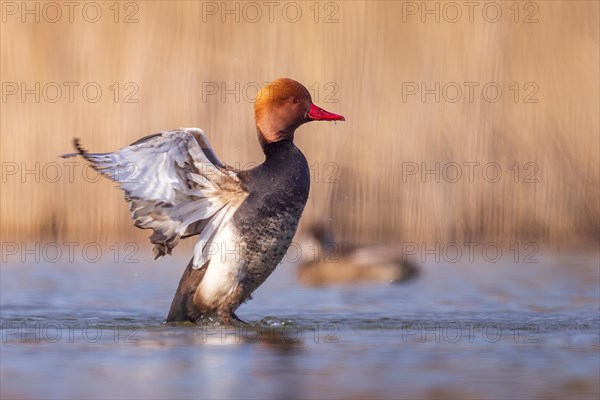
(326, 262)
(245, 220)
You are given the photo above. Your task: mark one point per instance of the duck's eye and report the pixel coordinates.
(294, 100)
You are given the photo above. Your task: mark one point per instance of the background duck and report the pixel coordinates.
(327, 262)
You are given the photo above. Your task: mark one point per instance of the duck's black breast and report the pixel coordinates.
(283, 176)
(267, 220)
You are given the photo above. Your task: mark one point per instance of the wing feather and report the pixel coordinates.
(176, 186)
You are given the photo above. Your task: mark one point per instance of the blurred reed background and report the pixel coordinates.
(176, 52)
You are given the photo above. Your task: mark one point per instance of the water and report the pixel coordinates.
(470, 330)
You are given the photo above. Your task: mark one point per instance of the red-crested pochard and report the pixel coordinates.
(246, 220)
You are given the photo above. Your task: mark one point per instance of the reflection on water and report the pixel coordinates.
(474, 330)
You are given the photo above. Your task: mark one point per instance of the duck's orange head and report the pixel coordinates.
(282, 106)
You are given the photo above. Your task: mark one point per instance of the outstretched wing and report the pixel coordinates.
(176, 186)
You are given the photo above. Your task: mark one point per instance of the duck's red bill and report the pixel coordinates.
(318, 114)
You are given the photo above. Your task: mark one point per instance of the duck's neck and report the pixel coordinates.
(271, 148)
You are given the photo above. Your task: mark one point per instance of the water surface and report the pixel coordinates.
(464, 330)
